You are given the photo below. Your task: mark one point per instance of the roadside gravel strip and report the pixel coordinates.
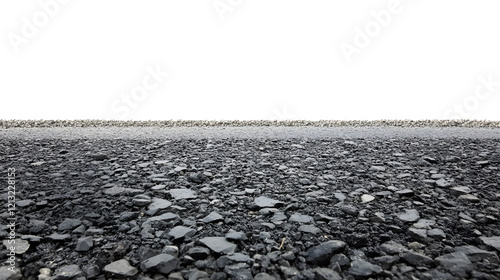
(258, 123)
(250, 132)
(99, 129)
(250, 202)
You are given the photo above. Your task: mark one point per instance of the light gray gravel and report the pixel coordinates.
(279, 132)
(253, 123)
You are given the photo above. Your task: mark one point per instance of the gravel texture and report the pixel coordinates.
(238, 123)
(264, 132)
(302, 205)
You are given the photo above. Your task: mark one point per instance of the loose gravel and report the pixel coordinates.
(238, 123)
(265, 132)
(286, 203)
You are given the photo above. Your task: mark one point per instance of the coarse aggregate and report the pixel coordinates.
(257, 202)
(242, 123)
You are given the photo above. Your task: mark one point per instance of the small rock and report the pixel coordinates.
(99, 157)
(69, 224)
(304, 181)
(424, 223)
(20, 246)
(488, 219)
(322, 253)
(417, 259)
(68, 272)
(196, 177)
(452, 159)
(176, 276)
(466, 217)
(36, 226)
(322, 217)
(265, 202)
(438, 274)
(164, 217)
(59, 237)
(394, 228)
(24, 203)
(457, 191)
(114, 191)
(326, 274)
(367, 198)
(84, 244)
(178, 233)
(339, 196)
(121, 268)
(418, 234)
(289, 272)
(340, 259)
(141, 200)
(436, 233)
(360, 268)
(483, 163)
(31, 238)
(437, 176)
(378, 217)
(456, 263)
(392, 248)
(79, 230)
(44, 274)
(143, 253)
(233, 258)
(236, 235)
(299, 218)
(158, 204)
(10, 273)
(128, 216)
(219, 276)
(162, 263)
(282, 167)
(278, 217)
(405, 192)
(387, 261)
(416, 246)
(493, 241)
(443, 183)
(250, 191)
(94, 231)
(263, 276)
(377, 168)
(469, 197)
(309, 229)
(219, 245)
(238, 271)
(213, 217)
(429, 159)
(171, 250)
(477, 255)
(349, 209)
(198, 253)
(179, 194)
(158, 187)
(410, 215)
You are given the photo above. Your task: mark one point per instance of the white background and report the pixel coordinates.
(278, 59)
